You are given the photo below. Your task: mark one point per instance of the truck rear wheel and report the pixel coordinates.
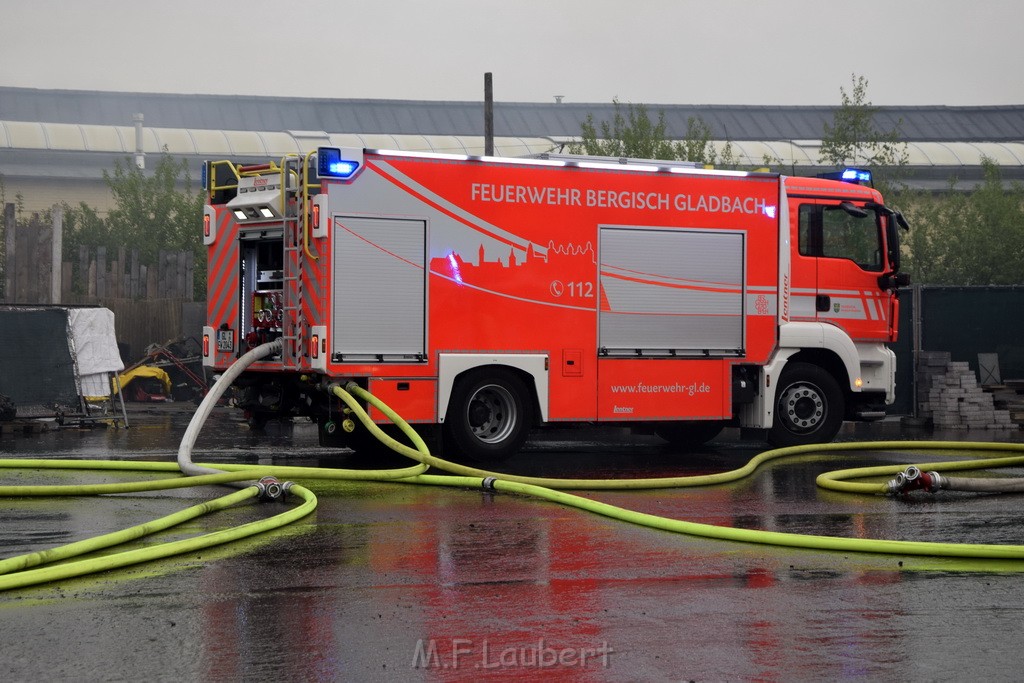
(808, 406)
(489, 416)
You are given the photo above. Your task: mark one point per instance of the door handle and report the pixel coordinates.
(822, 303)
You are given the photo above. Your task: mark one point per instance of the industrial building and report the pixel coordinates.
(56, 144)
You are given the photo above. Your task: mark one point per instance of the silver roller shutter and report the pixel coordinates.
(379, 288)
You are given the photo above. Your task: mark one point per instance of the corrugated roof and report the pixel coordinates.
(208, 143)
(512, 119)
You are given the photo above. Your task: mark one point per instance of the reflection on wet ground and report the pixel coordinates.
(394, 581)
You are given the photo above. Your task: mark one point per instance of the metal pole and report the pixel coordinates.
(140, 156)
(56, 252)
(916, 331)
(488, 115)
(10, 262)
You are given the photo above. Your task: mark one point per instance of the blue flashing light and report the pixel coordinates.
(861, 176)
(331, 165)
(856, 175)
(342, 169)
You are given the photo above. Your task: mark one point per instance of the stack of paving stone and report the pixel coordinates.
(951, 398)
(1009, 395)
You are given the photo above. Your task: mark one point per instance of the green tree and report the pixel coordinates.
(83, 227)
(150, 214)
(697, 145)
(853, 138)
(630, 133)
(633, 134)
(967, 238)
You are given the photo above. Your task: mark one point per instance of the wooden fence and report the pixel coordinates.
(28, 258)
(95, 275)
(147, 298)
(140, 323)
(102, 275)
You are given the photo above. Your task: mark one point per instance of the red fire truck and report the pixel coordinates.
(490, 295)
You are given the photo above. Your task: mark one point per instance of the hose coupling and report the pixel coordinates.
(896, 484)
(912, 479)
(272, 489)
(487, 484)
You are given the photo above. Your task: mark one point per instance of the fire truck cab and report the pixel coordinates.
(487, 295)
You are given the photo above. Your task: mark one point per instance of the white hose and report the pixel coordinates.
(209, 401)
(993, 485)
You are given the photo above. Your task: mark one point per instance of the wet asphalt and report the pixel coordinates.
(400, 582)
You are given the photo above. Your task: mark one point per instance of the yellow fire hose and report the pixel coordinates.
(545, 488)
(20, 571)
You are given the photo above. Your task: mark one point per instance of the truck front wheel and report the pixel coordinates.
(489, 416)
(808, 406)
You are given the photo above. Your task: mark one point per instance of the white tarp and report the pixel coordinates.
(95, 348)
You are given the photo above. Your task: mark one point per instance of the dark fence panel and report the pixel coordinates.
(36, 369)
(963, 321)
(967, 321)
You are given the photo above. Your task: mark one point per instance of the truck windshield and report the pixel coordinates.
(834, 232)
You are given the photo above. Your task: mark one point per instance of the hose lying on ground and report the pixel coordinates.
(15, 572)
(983, 485)
(914, 478)
(462, 476)
(528, 486)
(837, 479)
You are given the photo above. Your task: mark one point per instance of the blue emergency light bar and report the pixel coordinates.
(857, 175)
(861, 176)
(330, 164)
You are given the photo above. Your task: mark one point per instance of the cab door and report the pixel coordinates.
(844, 242)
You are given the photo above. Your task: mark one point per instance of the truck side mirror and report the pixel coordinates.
(893, 280)
(853, 210)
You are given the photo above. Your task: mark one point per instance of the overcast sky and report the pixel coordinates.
(789, 52)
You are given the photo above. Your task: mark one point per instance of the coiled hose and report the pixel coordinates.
(546, 489)
(17, 571)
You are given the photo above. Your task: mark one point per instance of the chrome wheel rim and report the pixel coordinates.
(492, 414)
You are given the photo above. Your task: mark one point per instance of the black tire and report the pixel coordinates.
(808, 406)
(689, 435)
(489, 415)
